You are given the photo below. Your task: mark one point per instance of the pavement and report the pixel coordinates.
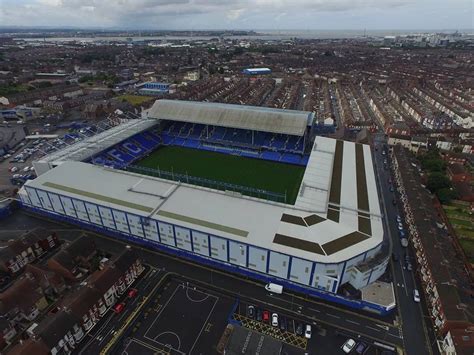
(418, 336)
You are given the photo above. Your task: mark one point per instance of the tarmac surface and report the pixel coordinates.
(335, 322)
(418, 335)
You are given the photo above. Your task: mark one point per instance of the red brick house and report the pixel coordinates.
(23, 300)
(26, 249)
(457, 173)
(74, 261)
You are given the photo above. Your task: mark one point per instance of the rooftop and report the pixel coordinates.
(447, 267)
(233, 116)
(309, 230)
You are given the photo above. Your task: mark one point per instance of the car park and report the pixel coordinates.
(251, 312)
(416, 296)
(275, 319)
(348, 345)
(307, 332)
(266, 316)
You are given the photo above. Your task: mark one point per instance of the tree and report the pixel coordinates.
(437, 181)
(445, 195)
(433, 165)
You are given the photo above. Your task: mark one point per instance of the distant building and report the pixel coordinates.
(257, 71)
(153, 88)
(192, 76)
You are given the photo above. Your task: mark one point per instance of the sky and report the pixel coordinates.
(241, 14)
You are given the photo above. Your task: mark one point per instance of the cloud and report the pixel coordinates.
(185, 14)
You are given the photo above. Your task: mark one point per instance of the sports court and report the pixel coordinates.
(180, 320)
(258, 174)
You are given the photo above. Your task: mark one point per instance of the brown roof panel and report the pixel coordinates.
(289, 218)
(313, 219)
(344, 242)
(298, 244)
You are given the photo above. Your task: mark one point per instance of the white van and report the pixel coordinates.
(274, 288)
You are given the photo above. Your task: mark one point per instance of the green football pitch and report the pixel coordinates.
(255, 173)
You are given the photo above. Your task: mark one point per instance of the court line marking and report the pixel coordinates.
(180, 286)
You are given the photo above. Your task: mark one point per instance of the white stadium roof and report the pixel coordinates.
(336, 216)
(233, 116)
(89, 146)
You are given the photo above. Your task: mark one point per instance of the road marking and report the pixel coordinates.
(314, 310)
(332, 315)
(156, 252)
(377, 330)
(403, 276)
(351, 321)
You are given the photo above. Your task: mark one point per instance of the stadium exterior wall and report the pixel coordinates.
(79, 212)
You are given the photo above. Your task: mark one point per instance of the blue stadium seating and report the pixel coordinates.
(262, 145)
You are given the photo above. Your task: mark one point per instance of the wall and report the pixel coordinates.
(318, 276)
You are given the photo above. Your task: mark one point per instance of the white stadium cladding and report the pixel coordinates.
(332, 235)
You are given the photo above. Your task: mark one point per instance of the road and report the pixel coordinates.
(412, 315)
(367, 325)
(104, 331)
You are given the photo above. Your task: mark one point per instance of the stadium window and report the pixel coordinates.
(284, 263)
(306, 270)
(241, 251)
(263, 257)
(223, 246)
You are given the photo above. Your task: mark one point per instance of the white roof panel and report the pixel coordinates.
(233, 116)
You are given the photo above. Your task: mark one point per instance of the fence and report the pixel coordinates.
(213, 184)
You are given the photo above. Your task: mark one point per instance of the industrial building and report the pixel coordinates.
(257, 71)
(332, 236)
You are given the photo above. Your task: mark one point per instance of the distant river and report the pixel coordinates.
(263, 34)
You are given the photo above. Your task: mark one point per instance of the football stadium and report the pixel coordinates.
(250, 190)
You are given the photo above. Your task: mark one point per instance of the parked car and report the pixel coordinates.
(275, 319)
(307, 332)
(409, 267)
(119, 307)
(259, 314)
(400, 226)
(299, 329)
(266, 316)
(399, 218)
(132, 293)
(251, 312)
(282, 324)
(361, 348)
(348, 345)
(416, 296)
